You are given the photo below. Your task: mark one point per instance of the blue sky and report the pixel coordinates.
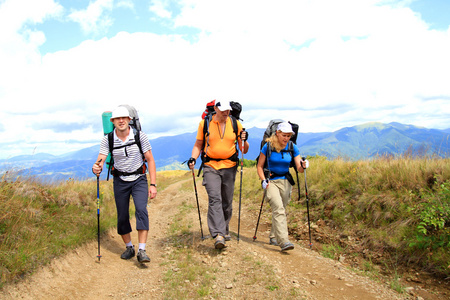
(323, 64)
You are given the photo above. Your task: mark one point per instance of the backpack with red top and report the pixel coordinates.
(235, 114)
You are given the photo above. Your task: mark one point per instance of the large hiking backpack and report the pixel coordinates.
(207, 115)
(134, 123)
(270, 130)
(108, 128)
(236, 109)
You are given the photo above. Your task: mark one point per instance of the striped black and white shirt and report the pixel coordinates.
(127, 159)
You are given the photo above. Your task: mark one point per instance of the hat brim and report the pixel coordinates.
(111, 119)
(223, 106)
(285, 131)
(285, 128)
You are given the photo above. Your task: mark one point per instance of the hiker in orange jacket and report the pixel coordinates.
(220, 168)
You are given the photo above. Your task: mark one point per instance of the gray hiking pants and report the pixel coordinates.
(278, 196)
(219, 185)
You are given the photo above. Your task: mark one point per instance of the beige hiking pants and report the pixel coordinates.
(278, 196)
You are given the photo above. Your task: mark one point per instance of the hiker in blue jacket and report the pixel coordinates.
(278, 185)
(129, 180)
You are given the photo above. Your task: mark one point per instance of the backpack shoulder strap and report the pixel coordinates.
(291, 152)
(137, 140)
(111, 142)
(235, 126)
(266, 167)
(269, 150)
(110, 148)
(206, 121)
(235, 130)
(291, 148)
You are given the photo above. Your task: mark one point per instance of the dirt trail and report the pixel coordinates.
(301, 273)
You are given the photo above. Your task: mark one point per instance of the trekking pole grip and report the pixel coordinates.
(243, 140)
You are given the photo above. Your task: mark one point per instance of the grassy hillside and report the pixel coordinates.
(41, 222)
(390, 213)
(382, 215)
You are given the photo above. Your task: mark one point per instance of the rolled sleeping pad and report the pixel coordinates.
(107, 124)
(107, 128)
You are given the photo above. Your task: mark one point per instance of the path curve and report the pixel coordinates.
(79, 275)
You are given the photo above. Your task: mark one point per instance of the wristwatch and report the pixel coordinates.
(153, 184)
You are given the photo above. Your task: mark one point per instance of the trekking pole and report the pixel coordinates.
(257, 223)
(265, 190)
(298, 185)
(198, 206)
(240, 188)
(98, 214)
(307, 205)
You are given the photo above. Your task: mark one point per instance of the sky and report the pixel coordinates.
(323, 64)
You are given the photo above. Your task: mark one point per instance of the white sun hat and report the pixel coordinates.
(285, 127)
(223, 105)
(120, 112)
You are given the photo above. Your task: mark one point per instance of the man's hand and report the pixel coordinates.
(152, 192)
(97, 168)
(191, 163)
(243, 135)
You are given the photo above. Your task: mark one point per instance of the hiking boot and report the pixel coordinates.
(227, 237)
(287, 246)
(129, 253)
(220, 242)
(142, 256)
(273, 242)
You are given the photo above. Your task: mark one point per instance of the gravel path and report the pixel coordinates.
(244, 270)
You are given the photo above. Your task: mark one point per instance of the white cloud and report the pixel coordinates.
(14, 14)
(322, 64)
(93, 19)
(126, 3)
(159, 7)
(18, 43)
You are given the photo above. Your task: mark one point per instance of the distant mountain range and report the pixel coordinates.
(354, 143)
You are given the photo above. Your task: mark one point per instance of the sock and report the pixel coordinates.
(129, 244)
(142, 246)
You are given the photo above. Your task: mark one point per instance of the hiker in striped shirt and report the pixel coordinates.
(130, 151)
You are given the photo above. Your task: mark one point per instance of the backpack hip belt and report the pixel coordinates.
(288, 176)
(234, 157)
(141, 170)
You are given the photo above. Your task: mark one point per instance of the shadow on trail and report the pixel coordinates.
(112, 244)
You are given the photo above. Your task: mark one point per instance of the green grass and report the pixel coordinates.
(187, 277)
(391, 205)
(44, 221)
(394, 207)
(332, 251)
(185, 268)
